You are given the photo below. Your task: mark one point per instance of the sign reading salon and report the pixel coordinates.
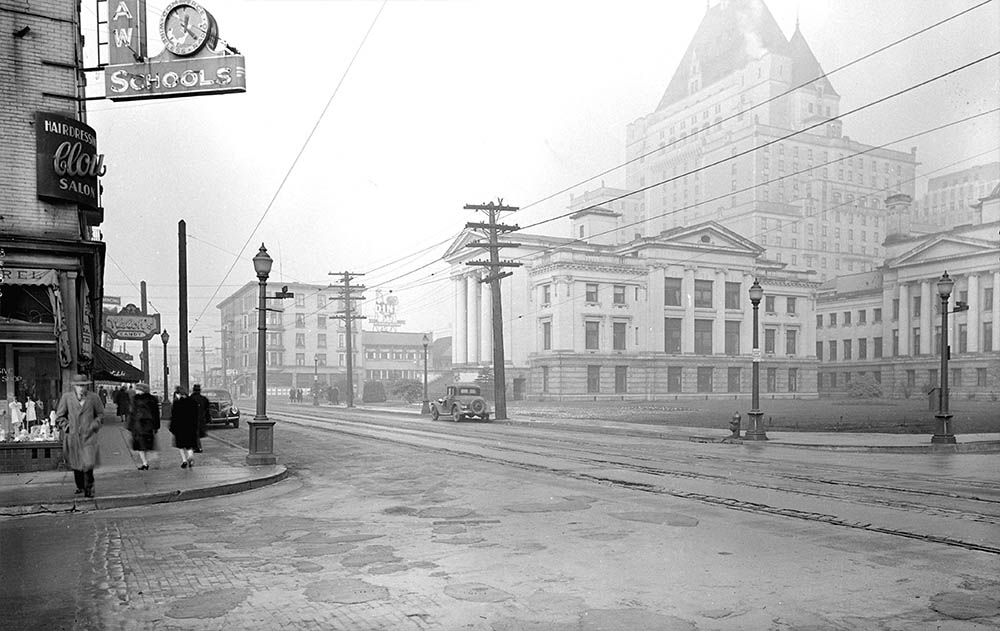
(67, 162)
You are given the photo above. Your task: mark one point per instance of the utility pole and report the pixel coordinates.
(204, 368)
(144, 358)
(347, 316)
(491, 230)
(182, 306)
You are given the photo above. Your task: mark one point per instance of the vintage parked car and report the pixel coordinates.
(221, 408)
(460, 401)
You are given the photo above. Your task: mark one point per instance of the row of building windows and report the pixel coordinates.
(847, 346)
(862, 317)
(705, 379)
(831, 381)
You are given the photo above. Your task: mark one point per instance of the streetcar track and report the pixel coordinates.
(390, 433)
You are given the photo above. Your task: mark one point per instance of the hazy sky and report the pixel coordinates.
(452, 102)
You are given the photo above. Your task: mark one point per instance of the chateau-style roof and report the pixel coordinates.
(732, 33)
(805, 67)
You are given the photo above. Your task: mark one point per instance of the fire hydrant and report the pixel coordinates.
(734, 425)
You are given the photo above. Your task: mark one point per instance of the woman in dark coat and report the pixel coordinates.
(144, 422)
(184, 426)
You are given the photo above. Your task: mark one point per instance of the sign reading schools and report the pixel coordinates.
(194, 60)
(67, 162)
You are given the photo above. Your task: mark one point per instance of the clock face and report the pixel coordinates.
(186, 27)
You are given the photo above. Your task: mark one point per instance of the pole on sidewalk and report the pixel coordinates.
(144, 360)
(182, 307)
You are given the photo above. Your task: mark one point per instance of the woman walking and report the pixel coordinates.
(184, 426)
(144, 422)
(79, 415)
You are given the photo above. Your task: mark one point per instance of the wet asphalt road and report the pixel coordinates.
(370, 534)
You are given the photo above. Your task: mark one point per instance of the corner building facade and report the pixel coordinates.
(51, 264)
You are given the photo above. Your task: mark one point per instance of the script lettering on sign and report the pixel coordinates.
(67, 164)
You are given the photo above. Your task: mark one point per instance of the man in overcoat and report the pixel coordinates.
(79, 416)
(204, 414)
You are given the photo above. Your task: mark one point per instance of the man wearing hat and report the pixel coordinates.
(79, 416)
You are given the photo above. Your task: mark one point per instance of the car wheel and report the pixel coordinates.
(434, 413)
(236, 424)
(455, 414)
(486, 417)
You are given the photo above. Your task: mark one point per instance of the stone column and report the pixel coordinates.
(973, 314)
(927, 311)
(486, 324)
(563, 314)
(459, 350)
(746, 326)
(687, 297)
(996, 312)
(719, 302)
(472, 317)
(904, 319)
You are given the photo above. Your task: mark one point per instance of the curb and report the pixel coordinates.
(145, 499)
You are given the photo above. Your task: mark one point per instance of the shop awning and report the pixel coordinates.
(110, 367)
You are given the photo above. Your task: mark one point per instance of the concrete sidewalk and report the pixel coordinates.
(220, 469)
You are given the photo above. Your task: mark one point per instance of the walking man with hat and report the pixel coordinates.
(79, 416)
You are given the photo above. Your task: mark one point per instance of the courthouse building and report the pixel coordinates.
(661, 316)
(885, 325)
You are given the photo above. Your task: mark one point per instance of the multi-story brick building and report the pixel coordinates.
(52, 265)
(886, 324)
(953, 199)
(747, 134)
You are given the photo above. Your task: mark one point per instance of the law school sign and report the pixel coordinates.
(194, 61)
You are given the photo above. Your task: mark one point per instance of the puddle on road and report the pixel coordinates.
(965, 605)
(663, 519)
(370, 555)
(553, 505)
(477, 592)
(466, 540)
(208, 604)
(346, 591)
(445, 512)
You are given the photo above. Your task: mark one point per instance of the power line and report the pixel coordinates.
(298, 155)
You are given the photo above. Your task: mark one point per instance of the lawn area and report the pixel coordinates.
(898, 416)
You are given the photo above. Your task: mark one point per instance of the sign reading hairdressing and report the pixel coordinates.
(194, 60)
(67, 162)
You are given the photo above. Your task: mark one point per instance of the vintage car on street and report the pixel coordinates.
(221, 408)
(461, 401)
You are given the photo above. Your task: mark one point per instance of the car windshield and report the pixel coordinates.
(469, 390)
(218, 396)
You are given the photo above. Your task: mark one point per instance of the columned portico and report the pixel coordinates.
(926, 318)
(459, 345)
(486, 323)
(904, 319)
(746, 325)
(472, 318)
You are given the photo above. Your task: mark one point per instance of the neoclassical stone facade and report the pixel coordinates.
(662, 316)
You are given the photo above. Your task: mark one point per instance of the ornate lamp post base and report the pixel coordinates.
(756, 429)
(261, 450)
(943, 434)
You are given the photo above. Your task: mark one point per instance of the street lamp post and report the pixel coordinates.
(166, 369)
(425, 408)
(756, 429)
(942, 430)
(261, 451)
(315, 388)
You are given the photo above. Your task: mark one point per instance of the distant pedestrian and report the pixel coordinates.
(184, 425)
(143, 423)
(122, 403)
(291, 395)
(203, 414)
(104, 396)
(78, 415)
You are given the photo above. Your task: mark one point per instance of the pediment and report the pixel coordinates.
(942, 248)
(708, 236)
